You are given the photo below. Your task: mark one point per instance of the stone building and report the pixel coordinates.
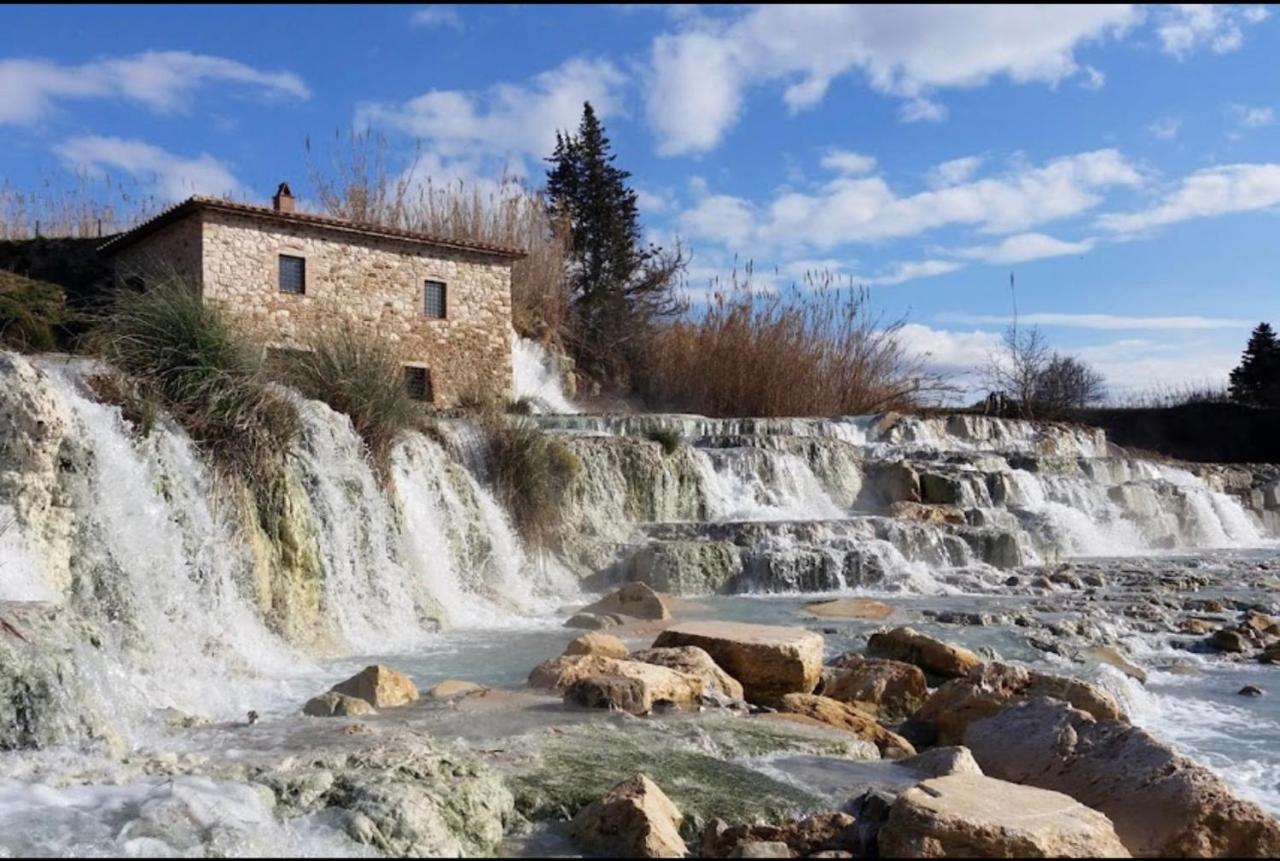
(286, 275)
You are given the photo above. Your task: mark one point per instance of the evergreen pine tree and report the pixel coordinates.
(1256, 380)
(617, 284)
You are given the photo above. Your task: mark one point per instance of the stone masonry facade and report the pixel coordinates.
(373, 282)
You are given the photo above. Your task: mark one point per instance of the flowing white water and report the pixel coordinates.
(756, 484)
(537, 377)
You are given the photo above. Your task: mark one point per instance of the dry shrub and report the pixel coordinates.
(531, 471)
(796, 352)
(359, 375)
(30, 313)
(86, 207)
(185, 356)
(358, 185)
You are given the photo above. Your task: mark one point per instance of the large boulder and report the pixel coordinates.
(693, 661)
(379, 686)
(929, 654)
(616, 693)
(635, 819)
(770, 661)
(1162, 803)
(637, 600)
(891, 689)
(850, 719)
(593, 643)
(942, 761)
(991, 687)
(656, 683)
(970, 816)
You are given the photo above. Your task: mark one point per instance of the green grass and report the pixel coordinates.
(668, 438)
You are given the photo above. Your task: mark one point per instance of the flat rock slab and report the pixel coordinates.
(967, 815)
(850, 608)
(769, 660)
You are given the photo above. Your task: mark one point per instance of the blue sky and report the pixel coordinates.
(1122, 162)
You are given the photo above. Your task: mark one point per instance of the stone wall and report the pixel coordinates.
(172, 251)
(375, 283)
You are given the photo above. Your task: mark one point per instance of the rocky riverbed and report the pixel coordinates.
(843, 725)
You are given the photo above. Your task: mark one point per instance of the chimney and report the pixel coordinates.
(283, 201)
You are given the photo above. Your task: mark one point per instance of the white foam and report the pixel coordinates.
(537, 377)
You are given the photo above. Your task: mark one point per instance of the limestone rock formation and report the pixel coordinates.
(379, 686)
(652, 683)
(334, 704)
(693, 661)
(768, 660)
(637, 600)
(594, 643)
(891, 689)
(1162, 803)
(966, 815)
(991, 687)
(850, 719)
(635, 819)
(928, 653)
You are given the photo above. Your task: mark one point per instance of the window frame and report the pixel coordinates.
(427, 284)
(428, 387)
(302, 274)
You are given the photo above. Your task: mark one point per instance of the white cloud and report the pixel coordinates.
(699, 74)
(1101, 321)
(1024, 247)
(438, 15)
(921, 110)
(953, 172)
(174, 177)
(866, 209)
(950, 353)
(847, 162)
(901, 272)
(1094, 79)
(1185, 28)
(1206, 193)
(519, 119)
(163, 81)
(1136, 365)
(1165, 128)
(1253, 118)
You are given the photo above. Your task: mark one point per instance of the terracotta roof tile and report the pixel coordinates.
(197, 203)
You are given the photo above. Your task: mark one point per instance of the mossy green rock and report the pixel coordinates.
(697, 761)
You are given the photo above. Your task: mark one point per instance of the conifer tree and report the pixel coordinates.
(1256, 380)
(619, 286)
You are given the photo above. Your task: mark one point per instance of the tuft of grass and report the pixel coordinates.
(189, 359)
(668, 438)
(360, 375)
(531, 471)
(30, 313)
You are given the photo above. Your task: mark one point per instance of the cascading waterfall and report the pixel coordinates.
(155, 557)
(757, 484)
(537, 377)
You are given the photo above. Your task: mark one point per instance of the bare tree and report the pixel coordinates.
(1037, 382)
(1066, 383)
(1016, 370)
